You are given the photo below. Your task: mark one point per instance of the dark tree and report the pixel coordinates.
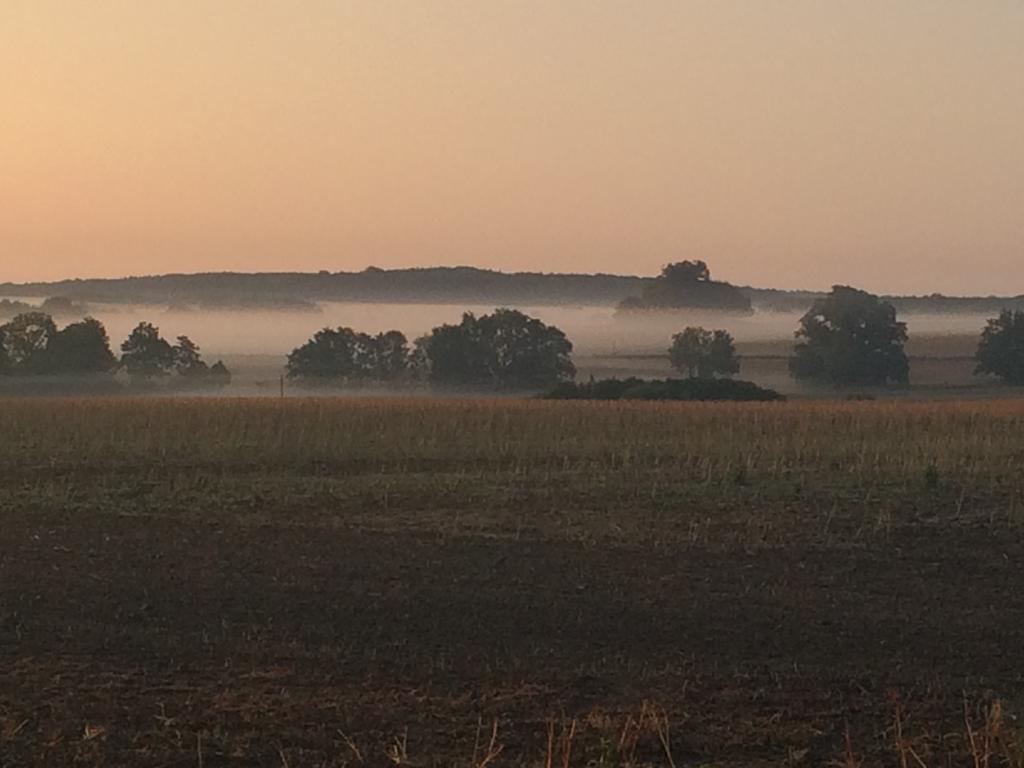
(81, 348)
(455, 354)
(506, 349)
(331, 354)
(688, 285)
(145, 354)
(851, 337)
(390, 356)
(525, 352)
(1001, 350)
(704, 354)
(192, 370)
(345, 355)
(187, 359)
(25, 341)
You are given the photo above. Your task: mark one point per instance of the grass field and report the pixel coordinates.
(468, 582)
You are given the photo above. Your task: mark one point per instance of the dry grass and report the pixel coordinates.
(869, 436)
(681, 473)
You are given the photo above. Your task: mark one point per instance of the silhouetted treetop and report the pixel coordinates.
(686, 272)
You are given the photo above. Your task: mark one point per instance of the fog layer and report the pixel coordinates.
(593, 330)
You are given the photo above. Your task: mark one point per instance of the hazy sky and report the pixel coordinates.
(786, 142)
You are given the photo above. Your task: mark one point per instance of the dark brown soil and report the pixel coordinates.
(143, 641)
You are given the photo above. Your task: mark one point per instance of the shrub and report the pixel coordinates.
(665, 389)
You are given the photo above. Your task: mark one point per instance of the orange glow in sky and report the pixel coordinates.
(793, 143)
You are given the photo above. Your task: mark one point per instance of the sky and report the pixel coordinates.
(789, 143)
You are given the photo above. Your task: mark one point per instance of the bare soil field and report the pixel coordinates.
(468, 583)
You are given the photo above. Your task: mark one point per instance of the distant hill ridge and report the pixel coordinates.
(469, 285)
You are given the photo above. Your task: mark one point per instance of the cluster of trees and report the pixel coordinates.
(147, 356)
(851, 338)
(504, 350)
(31, 344)
(507, 349)
(55, 306)
(687, 285)
(11, 308)
(848, 338)
(342, 354)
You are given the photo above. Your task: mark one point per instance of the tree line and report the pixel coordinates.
(32, 345)
(853, 338)
(503, 350)
(847, 338)
(453, 285)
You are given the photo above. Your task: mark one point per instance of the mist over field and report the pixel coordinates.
(594, 330)
(255, 343)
